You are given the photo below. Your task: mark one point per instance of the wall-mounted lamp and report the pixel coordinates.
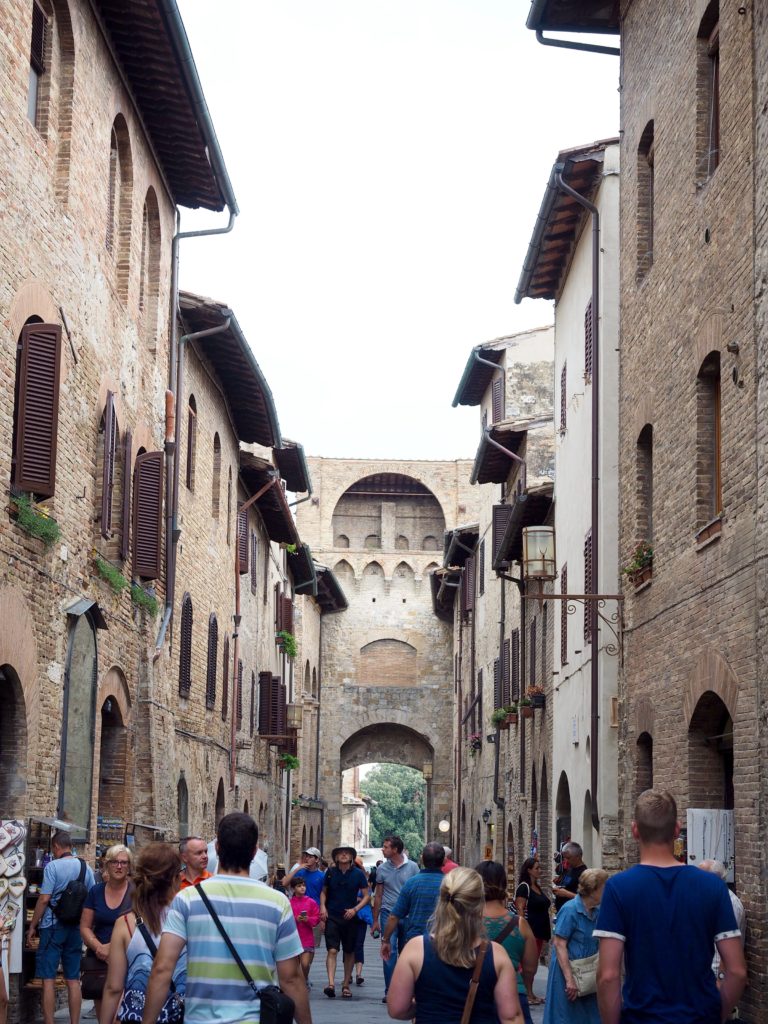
(539, 553)
(487, 815)
(427, 770)
(294, 716)
(444, 826)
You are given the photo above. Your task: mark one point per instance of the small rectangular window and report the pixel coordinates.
(36, 62)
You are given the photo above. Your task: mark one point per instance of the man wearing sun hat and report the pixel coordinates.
(309, 869)
(340, 902)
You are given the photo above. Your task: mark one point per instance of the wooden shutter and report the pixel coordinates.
(254, 562)
(252, 722)
(532, 653)
(589, 338)
(501, 517)
(468, 585)
(108, 465)
(589, 585)
(515, 646)
(497, 399)
(125, 526)
(286, 617)
(185, 647)
(282, 708)
(481, 566)
(225, 681)
(37, 409)
(505, 678)
(239, 697)
(278, 608)
(265, 703)
(148, 515)
(242, 540)
(563, 396)
(564, 617)
(213, 657)
(274, 706)
(498, 699)
(191, 446)
(37, 43)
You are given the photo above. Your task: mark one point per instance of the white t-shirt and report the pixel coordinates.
(259, 865)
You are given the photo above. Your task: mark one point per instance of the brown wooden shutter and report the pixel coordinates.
(497, 399)
(278, 608)
(505, 678)
(589, 339)
(108, 465)
(589, 584)
(286, 617)
(274, 706)
(501, 517)
(564, 617)
(239, 696)
(213, 657)
(265, 703)
(481, 566)
(225, 680)
(37, 409)
(515, 638)
(498, 699)
(252, 722)
(37, 43)
(282, 708)
(185, 647)
(532, 653)
(254, 562)
(468, 585)
(125, 526)
(563, 396)
(148, 515)
(242, 539)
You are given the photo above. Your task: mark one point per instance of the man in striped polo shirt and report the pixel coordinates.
(260, 924)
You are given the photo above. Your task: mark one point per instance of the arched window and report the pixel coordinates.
(342, 541)
(149, 274)
(182, 807)
(229, 507)
(185, 647)
(225, 680)
(119, 200)
(213, 655)
(314, 683)
(709, 484)
(708, 94)
(644, 485)
(191, 442)
(645, 201)
(216, 478)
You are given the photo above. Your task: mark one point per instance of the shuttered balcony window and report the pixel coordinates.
(36, 409)
(213, 657)
(225, 681)
(252, 723)
(148, 515)
(239, 698)
(265, 702)
(185, 648)
(242, 541)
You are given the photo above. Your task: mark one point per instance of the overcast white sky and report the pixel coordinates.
(389, 158)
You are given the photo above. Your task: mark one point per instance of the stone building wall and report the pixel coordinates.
(691, 660)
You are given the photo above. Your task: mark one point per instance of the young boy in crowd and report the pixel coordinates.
(307, 914)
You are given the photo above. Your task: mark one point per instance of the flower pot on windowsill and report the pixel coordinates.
(642, 576)
(526, 710)
(538, 700)
(512, 718)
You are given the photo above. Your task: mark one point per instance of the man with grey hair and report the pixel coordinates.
(448, 864)
(417, 900)
(194, 856)
(569, 885)
(716, 867)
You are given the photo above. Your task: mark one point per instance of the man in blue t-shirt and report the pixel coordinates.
(663, 917)
(309, 869)
(345, 893)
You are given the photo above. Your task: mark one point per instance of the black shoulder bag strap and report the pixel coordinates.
(83, 865)
(508, 928)
(230, 945)
(146, 935)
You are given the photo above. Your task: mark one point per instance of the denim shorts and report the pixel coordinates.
(59, 943)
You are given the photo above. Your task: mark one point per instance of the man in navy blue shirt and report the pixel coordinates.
(417, 900)
(663, 917)
(345, 893)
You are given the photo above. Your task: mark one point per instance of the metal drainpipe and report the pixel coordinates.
(497, 798)
(594, 665)
(319, 708)
(456, 830)
(494, 366)
(172, 465)
(565, 44)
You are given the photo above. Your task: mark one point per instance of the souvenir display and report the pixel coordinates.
(13, 834)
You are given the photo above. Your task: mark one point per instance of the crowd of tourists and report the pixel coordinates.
(162, 938)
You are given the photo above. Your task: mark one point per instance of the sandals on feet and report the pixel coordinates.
(346, 992)
(360, 980)
(330, 991)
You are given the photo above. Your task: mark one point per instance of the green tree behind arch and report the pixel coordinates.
(400, 794)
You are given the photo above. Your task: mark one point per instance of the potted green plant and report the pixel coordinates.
(287, 641)
(475, 743)
(499, 718)
(537, 697)
(640, 566)
(288, 762)
(35, 519)
(512, 714)
(526, 708)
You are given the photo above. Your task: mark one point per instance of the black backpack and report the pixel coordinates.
(71, 901)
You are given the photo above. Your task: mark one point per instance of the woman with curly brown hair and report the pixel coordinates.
(433, 973)
(156, 880)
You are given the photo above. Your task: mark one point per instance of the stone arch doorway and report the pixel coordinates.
(182, 807)
(391, 742)
(13, 744)
(393, 511)
(710, 754)
(562, 811)
(113, 763)
(220, 803)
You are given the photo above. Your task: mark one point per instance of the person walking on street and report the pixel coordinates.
(194, 855)
(510, 930)
(104, 904)
(340, 903)
(568, 886)
(258, 921)
(532, 903)
(661, 918)
(716, 867)
(390, 879)
(417, 900)
(306, 914)
(448, 864)
(309, 869)
(66, 880)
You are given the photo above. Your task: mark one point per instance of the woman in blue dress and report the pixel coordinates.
(572, 941)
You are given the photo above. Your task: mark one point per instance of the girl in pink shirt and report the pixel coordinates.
(306, 914)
